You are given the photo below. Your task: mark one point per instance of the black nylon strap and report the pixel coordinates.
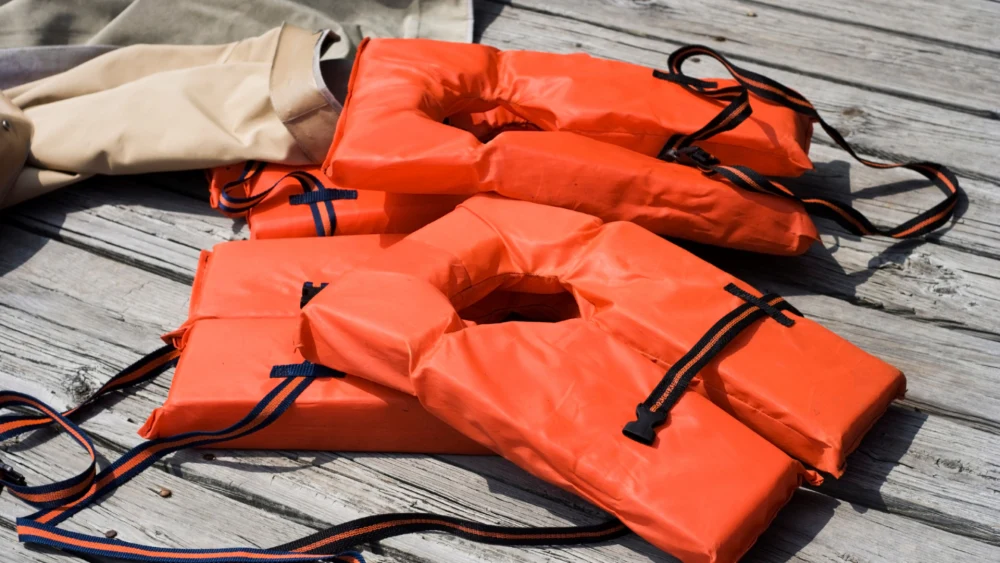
(322, 194)
(735, 113)
(377, 528)
(777, 93)
(652, 413)
(305, 369)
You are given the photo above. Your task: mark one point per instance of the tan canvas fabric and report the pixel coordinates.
(15, 134)
(151, 108)
(182, 101)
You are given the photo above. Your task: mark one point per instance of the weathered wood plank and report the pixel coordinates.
(908, 456)
(927, 282)
(191, 517)
(75, 357)
(14, 552)
(969, 23)
(861, 535)
(940, 74)
(131, 220)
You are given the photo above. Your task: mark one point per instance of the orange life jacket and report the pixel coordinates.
(241, 324)
(554, 398)
(796, 383)
(238, 343)
(281, 201)
(680, 156)
(557, 398)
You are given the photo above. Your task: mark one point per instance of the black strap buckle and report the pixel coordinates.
(690, 156)
(9, 475)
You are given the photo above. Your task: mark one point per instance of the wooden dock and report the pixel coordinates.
(90, 277)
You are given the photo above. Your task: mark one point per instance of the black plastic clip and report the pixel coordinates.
(690, 156)
(9, 475)
(643, 428)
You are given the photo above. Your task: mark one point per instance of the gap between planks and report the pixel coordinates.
(840, 53)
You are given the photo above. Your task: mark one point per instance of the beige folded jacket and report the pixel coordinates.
(147, 108)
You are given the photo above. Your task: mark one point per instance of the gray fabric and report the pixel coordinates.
(21, 65)
(203, 22)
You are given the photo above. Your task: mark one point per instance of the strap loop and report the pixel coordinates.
(313, 194)
(652, 413)
(777, 93)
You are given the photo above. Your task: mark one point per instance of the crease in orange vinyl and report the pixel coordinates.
(573, 131)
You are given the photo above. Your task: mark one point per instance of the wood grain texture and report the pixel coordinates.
(131, 220)
(192, 517)
(80, 337)
(964, 23)
(906, 67)
(865, 536)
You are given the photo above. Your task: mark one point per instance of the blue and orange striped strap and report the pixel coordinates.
(313, 194)
(61, 500)
(652, 412)
(681, 148)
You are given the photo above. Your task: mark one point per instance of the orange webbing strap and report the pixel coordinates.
(61, 500)
(147, 368)
(681, 148)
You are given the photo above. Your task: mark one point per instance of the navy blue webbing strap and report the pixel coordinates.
(314, 194)
(325, 196)
(63, 499)
(305, 369)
